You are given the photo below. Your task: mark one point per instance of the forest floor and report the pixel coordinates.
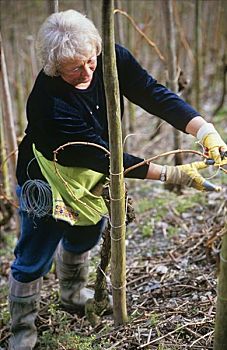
(172, 266)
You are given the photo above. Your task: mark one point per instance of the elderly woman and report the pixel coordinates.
(67, 104)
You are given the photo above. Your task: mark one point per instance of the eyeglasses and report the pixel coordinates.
(70, 68)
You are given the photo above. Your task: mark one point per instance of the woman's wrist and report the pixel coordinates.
(154, 171)
(194, 125)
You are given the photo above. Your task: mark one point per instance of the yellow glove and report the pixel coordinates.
(188, 175)
(222, 163)
(212, 141)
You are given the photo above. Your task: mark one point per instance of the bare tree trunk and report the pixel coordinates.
(117, 190)
(172, 68)
(8, 122)
(198, 53)
(119, 25)
(131, 107)
(19, 94)
(220, 335)
(224, 87)
(16, 75)
(9, 132)
(88, 8)
(32, 58)
(4, 173)
(53, 6)
(224, 60)
(119, 35)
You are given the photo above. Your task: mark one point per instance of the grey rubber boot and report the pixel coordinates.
(72, 271)
(24, 305)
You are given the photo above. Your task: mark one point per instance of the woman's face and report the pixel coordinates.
(79, 73)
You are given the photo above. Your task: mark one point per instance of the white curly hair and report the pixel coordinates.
(66, 35)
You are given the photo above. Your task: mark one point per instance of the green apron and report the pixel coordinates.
(73, 200)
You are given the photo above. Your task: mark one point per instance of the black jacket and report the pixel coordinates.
(58, 113)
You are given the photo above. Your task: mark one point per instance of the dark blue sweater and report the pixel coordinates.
(59, 113)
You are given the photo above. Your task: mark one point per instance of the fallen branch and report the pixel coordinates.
(172, 332)
(202, 337)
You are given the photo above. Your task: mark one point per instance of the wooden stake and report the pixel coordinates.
(220, 335)
(117, 190)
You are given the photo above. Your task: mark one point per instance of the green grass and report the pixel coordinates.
(68, 340)
(61, 336)
(154, 319)
(156, 205)
(148, 228)
(156, 209)
(159, 206)
(186, 203)
(172, 230)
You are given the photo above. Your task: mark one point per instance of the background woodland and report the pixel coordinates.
(173, 244)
